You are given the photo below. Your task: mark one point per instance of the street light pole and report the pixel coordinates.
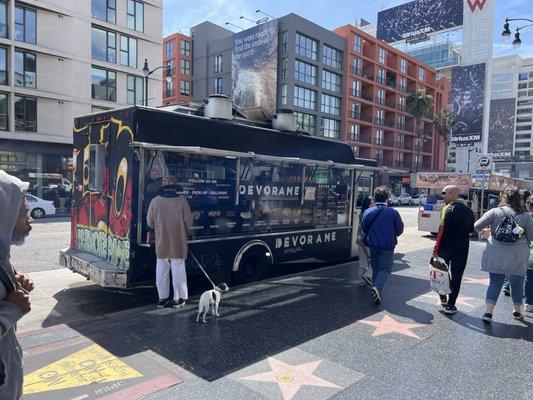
(147, 72)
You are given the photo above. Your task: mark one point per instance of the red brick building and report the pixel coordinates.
(177, 51)
(378, 79)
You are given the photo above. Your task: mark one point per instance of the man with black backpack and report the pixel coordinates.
(381, 225)
(453, 242)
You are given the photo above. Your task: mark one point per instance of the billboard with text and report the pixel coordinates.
(419, 18)
(254, 66)
(468, 90)
(501, 127)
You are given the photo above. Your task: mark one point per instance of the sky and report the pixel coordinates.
(180, 15)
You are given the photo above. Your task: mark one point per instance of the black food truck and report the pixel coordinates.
(259, 196)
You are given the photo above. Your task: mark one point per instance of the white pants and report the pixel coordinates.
(179, 278)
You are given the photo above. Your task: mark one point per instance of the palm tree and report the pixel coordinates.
(419, 104)
(444, 123)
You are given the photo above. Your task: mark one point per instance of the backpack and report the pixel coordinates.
(504, 230)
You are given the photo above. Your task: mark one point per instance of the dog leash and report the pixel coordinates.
(203, 270)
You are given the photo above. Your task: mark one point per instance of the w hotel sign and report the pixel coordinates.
(478, 24)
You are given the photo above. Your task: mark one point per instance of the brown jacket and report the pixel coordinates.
(170, 217)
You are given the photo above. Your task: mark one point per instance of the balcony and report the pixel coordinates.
(355, 115)
(366, 118)
(354, 137)
(401, 164)
(390, 123)
(402, 89)
(379, 121)
(400, 125)
(390, 103)
(402, 107)
(368, 76)
(381, 80)
(356, 93)
(380, 100)
(367, 97)
(357, 71)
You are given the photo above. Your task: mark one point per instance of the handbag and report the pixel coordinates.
(439, 276)
(507, 230)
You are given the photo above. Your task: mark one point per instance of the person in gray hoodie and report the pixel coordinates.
(14, 288)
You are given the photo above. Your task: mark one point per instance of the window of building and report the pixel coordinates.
(403, 84)
(95, 109)
(170, 65)
(218, 85)
(169, 89)
(304, 98)
(354, 132)
(358, 43)
(332, 57)
(507, 77)
(304, 72)
(522, 93)
(128, 51)
(106, 10)
(401, 122)
(379, 156)
(403, 65)
(524, 103)
(524, 136)
(284, 40)
(284, 94)
(523, 119)
(530, 74)
(421, 74)
(382, 55)
(135, 15)
(25, 24)
(380, 96)
(185, 87)
(135, 90)
(4, 112)
(169, 49)
(523, 128)
(330, 104)
(284, 64)
(306, 47)
(331, 128)
(185, 67)
(185, 47)
(355, 111)
(25, 69)
(522, 144)
(381, 76)
(103, 84)
(331, 81)
(402, 103)
(520, 86)
(357, 66)
(380, 116)
(356, 88)
(25, 114)
(103, 45)
(305, 122)
(522, 76)
(3, 66)
(524, 111)
(3, 20)
(218, 64)
(379, 136)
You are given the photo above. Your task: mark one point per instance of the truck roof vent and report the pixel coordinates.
(218, 106)
(284, 120)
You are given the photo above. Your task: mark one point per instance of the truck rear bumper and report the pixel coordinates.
(93, 268)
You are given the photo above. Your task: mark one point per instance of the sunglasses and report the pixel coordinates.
(443, 193)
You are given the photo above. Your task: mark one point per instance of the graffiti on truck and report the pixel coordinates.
(111, 248)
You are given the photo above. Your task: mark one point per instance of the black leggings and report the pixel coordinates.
(457, 264)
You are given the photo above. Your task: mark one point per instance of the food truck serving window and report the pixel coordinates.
(234, 196)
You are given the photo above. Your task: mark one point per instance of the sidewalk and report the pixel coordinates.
(311, 335)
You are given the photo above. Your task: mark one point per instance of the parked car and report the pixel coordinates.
(403, 199)
(420, 200)
(39, 207)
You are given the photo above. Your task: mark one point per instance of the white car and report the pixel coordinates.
(39, 207)
(420, 200)
(402, 199)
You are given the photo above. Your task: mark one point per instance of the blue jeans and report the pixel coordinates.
(529, 286)
(496, 282)
(381, 262)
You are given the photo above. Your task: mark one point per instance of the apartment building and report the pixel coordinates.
(378, 80)
(64, 58)
(177, 54)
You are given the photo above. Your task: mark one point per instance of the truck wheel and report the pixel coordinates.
(37, 213)
(252, 267)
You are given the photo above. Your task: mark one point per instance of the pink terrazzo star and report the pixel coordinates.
(290, 378)
(389, 325)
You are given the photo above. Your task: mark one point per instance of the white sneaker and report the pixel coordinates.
(529, 308)
(375, 295)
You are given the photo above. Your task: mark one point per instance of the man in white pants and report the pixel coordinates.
(169, 216)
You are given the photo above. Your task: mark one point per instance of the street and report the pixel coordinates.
(312, 334)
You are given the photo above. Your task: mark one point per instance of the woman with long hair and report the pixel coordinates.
(509, 229)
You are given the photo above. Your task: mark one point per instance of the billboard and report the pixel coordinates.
(419, 18)
(468, 90)
(254, 66)
(438, 180)
(501, 127)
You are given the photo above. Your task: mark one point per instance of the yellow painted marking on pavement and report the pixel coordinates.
(91, 365)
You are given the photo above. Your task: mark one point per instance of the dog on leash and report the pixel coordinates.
(211, 299)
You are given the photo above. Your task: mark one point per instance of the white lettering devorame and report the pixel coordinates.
(266, 190)
(305, 240)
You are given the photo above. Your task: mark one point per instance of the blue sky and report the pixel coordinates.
(180, 15)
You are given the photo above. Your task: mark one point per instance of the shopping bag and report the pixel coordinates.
(364, 264)
(439, 276)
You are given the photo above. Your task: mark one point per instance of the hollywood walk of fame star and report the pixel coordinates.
(390, 325)
(290, 378)
(480, 281)
(461, 300)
